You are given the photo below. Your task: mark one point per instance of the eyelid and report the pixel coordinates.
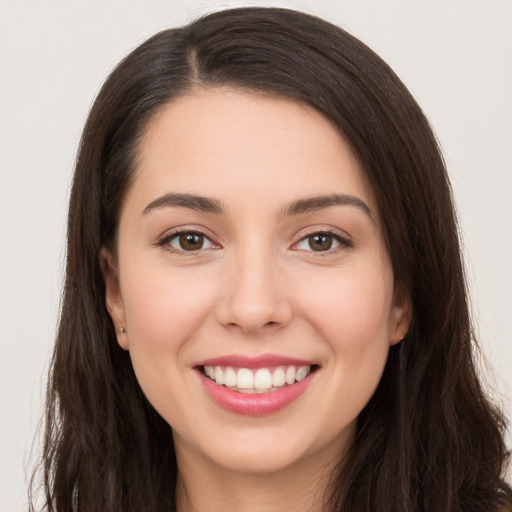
(163, 240)
(344, 240)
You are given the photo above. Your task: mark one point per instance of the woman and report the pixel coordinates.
(264, 305)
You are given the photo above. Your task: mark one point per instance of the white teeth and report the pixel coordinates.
(302, 373)
(244, 379)
(256, 381)
(210, 371)
(219, 375)
(230, 379)
(278, 377)
(263, 379)
(290, 375)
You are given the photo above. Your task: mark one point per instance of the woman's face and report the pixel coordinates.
(253, 281)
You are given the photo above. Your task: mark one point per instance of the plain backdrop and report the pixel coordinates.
(454, 55)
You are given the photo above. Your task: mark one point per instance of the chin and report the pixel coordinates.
(259, 460)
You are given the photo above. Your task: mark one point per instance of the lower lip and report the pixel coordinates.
(250, 404)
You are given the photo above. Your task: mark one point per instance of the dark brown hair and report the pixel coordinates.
(429, 439)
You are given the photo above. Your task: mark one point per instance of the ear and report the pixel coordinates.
(113, 298)
(401, 315)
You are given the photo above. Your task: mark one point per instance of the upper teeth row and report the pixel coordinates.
(261, 379)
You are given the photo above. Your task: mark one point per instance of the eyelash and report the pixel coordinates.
(166, 240)
(342, 241)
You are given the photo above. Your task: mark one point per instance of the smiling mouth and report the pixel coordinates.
(257, 381)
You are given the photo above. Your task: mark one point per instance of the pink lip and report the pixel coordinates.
(259, 404)
(254, 404)
(263, 361)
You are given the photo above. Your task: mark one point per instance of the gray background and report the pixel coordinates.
(454, 55)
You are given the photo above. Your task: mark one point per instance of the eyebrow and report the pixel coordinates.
(212, 205)
(312, 204)
(203, 204)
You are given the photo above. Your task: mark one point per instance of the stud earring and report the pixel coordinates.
(122, 330)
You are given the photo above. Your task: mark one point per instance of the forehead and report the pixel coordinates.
(238, 146)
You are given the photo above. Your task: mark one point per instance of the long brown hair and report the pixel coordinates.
(429, 439)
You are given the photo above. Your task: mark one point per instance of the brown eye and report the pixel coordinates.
(323, 241)
(191, 241)
(188, 241)
(320, 241)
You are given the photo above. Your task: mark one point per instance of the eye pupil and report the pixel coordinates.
(191, 241)
(320, 242)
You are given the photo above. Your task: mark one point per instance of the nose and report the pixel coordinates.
(254, 298)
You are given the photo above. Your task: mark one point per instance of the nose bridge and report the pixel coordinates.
(254, 296)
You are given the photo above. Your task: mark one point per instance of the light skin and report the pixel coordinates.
(257, 281)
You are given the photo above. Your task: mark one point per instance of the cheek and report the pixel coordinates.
(163, 310)
(162, 306)
(353, 308)
(352, 317)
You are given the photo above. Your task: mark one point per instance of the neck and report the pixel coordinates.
(204, 486)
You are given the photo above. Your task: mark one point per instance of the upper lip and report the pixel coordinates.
(262, 361)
